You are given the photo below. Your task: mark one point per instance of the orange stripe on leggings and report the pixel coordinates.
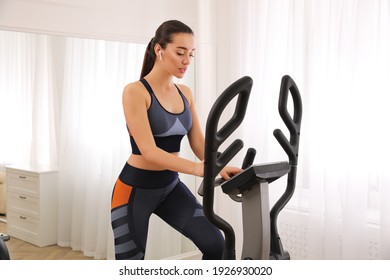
(121, 194)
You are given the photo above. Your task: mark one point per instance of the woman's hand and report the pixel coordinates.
(229, 171)
(226, 173)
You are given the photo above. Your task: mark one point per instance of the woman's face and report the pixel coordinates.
(178, 55)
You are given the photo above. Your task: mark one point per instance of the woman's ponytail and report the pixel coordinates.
(149, 59)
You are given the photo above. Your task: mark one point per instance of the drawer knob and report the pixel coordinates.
(23, 217)
(22, 197)
(22, 177)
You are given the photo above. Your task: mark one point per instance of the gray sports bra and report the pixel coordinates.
(168, 128)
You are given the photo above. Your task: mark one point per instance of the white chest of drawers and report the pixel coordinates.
(32, 204)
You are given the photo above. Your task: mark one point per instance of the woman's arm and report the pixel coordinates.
(196, 137)
(135, 104)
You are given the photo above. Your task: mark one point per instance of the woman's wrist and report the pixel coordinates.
(198, 169)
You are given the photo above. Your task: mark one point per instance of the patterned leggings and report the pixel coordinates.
(139, 193)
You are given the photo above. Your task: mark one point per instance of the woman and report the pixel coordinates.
(159, 114)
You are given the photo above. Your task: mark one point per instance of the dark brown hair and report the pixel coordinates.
(163, 36)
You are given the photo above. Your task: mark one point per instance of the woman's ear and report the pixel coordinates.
(157, 49)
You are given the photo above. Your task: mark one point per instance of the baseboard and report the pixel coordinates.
(194, 255)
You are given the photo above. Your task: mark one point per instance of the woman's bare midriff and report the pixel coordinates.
(139, 161)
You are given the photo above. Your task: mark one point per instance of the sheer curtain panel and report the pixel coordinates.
(28, 108)
(338, 54)
(61, 105)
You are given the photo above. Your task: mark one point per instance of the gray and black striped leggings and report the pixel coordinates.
(139, 193)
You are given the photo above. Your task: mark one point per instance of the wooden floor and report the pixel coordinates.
(20, 250)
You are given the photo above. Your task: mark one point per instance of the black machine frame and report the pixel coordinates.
(252, 176)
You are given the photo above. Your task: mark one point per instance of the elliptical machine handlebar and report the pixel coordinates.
(293, 123)
(249, 158)
(247, 162)
(291, 148)
(241, 187)
(215, 161)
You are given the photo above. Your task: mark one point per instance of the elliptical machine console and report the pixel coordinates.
(250, 187)
(246, 180)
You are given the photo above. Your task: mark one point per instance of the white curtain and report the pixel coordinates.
(94, 146)
(93, 141)
(338, 54)
(61, 105)
(27, 103)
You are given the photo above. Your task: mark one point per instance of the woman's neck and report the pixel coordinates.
(159, 78)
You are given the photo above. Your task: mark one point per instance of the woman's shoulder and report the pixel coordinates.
(186, 91)
(133, 87)
(135, 91)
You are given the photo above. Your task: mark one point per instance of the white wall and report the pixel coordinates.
(119, 20)
(124, 20)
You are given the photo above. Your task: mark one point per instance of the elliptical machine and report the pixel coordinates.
(250, 187)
